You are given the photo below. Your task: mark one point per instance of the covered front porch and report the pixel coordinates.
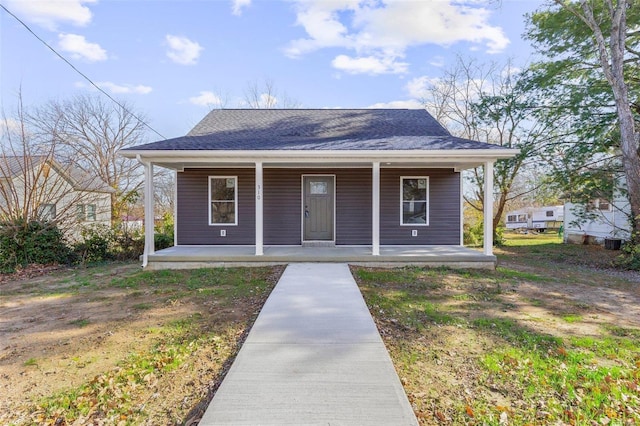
(188, 257)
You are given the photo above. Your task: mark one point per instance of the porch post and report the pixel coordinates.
(149, 245)
(259, 210)
(375, 209)
(488, 208)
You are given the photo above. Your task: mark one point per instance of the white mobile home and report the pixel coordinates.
(536, 218)
(597, 220)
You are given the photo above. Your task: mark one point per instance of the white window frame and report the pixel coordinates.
(235, 201)
(82, 212)
(402, 178)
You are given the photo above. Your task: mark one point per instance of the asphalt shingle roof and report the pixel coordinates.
(13, 166)
(316, 129)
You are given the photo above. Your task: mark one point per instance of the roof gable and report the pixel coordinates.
(16, 166)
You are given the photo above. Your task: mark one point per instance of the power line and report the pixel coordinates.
(81, 73)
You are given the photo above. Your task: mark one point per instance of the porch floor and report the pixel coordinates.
(188, 257)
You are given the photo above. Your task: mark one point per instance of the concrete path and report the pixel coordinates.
(313, 357)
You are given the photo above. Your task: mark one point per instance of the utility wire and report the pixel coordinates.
(81, 73)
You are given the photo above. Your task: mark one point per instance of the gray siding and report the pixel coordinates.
(193, 214)
(444, 208)
(282, 207)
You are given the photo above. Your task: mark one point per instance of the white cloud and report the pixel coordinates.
(238, 5)
(51, 13)
(369, 65)
(406, 104)
(386, 28)
(437, 61)
(182, 50)
(114, 88)
(207, 99)
(80, 48)
(417, 87)
(9, 126)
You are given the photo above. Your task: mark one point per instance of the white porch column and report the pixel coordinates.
(149, 245)
(488, 208)
(259, 210)
(375, 209)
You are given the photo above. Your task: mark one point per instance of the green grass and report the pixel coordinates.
(81, 322)
(30, 362)
(571, 318)
(535, 377)
(118, 394)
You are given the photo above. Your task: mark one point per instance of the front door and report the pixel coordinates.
(318, 208)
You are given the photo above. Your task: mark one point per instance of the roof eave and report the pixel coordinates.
(166, 156)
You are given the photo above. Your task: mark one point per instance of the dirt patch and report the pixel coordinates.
(69, 329)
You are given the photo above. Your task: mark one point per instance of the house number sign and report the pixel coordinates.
(258, 191)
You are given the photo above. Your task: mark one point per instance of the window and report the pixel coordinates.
(599, 204)
(86, 212)
(414, 200)
(223, 200)
(549, 213)
(47, 212)
(523, 217)
(512, 218)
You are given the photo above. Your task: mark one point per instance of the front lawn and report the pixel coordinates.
(112, 344)
(551, 337)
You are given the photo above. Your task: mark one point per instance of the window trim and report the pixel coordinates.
(235, 201)
(402, 178)
(82, 213)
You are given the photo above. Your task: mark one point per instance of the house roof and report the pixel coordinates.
(14, 166)
(315, 129)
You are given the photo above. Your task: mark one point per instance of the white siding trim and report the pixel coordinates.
(488, 208)
(259, 210)
(375, 209)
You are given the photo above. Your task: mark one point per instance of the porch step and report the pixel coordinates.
(318, 244)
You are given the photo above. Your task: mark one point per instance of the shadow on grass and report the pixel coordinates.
(543, 378)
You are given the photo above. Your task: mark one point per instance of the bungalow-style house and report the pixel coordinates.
(39, 187)
(274, 186)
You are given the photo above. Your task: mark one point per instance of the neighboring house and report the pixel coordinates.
(597, 220)
(373, 180)
(40, 187)
(535, 218)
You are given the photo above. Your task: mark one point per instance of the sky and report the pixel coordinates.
(173, 61)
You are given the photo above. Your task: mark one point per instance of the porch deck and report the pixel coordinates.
(189, 257)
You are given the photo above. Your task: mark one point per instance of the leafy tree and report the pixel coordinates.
(588, 84)
(489, 103)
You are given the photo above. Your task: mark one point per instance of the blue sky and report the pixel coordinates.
(175, 60)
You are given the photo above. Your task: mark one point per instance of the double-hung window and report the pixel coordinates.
(86, 212)
(414, 200)
(223, 200)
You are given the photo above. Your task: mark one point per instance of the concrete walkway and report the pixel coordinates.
(313, 357)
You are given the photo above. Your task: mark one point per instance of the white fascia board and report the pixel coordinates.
(312, 156)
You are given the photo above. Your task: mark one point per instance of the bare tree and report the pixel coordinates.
(266, 96)
(486, 102)
(34, 185)
(89, 132)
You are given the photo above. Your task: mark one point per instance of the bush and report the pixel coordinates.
(95, 244)
(163, 241)
(630, 257)
(35, 242)
(474, 235)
